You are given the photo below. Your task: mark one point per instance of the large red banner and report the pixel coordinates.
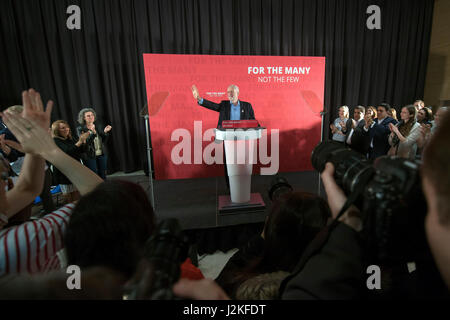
(286, 94)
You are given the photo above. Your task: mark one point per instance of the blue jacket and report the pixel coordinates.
(379, 135)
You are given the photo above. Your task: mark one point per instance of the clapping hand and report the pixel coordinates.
(33, 108)
(368, 119)
(84, 136)
(425, 129)
(31, 127)
(391, 127)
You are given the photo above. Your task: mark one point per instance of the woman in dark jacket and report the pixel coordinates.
(63, 138)
(94, 157)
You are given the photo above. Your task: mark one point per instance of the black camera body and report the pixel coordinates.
(390, 199)
(164, 253)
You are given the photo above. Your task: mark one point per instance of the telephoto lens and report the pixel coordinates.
(352, 169)
(164, 253)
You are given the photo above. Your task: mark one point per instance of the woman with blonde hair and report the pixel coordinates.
(339, 126)
(405, 134)
(392, 113)
(62, 136)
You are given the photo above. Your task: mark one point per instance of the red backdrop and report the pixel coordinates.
(286, 94)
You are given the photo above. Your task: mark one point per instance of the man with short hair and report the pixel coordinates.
(231, 109)
(379, 132)
(358, 139)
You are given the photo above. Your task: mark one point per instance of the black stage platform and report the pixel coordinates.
(194, 203)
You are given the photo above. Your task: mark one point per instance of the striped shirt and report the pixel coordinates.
(32, 246)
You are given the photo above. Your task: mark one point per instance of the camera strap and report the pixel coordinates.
(321, 238)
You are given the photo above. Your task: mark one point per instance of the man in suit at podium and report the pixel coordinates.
(231, 109)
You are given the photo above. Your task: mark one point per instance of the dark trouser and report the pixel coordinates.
(98, 165)
(46, 196)
(227, 179)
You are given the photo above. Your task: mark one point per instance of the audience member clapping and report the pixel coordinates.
(425, 116)
(358, 139)
(31, 247)
(404, 136)
(426, 130)
(63, 138)
(379, 132)
(339, 126)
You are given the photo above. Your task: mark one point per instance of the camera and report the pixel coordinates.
(164, 253)
(278, 187)
(390, 200)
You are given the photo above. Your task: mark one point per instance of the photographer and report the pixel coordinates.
(333, 267)
(336, 271)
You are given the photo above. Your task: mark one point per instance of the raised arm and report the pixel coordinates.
(195, 93)
(31, 179)
(35, 140)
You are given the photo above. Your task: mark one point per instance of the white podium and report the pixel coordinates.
(240, 155)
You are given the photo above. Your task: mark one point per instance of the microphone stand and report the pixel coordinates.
(144, 114)
(322, 114)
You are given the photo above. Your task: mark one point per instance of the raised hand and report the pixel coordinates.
(391, 127)
(84, 136)
(32, 136)
(368, 119)
(107, 129)
(92, 128)
(195, 92)
(33, 108)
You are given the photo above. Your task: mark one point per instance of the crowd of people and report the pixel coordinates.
(376, 131)
(106, 225)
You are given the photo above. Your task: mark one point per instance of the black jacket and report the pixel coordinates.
(335, 272)
(224, 108)
(69, 147)
(379, 134)
(360, 140)
(89, 151)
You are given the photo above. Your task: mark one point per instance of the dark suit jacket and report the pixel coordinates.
(69, 147)
(379, 134)
(360, 140)
(348, 128)
(224, 109)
